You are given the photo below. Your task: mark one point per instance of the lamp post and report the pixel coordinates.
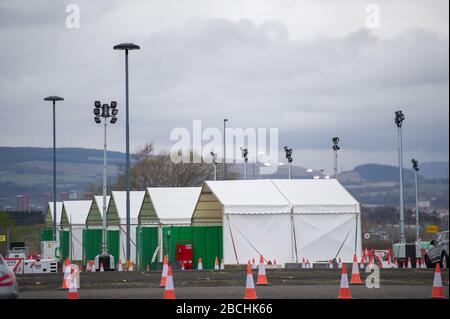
(399, 118)
(54, 98)
(127, 47)
(336, 148)
(289, 158)
(245, 156)
(415, 165)
(224, 149)
(214, 160)
(105, 111)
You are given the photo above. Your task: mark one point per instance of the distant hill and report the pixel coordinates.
(434, 170)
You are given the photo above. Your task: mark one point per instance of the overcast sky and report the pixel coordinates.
(311, 68)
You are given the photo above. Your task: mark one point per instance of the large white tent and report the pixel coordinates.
(74, 215)
(281, 219)
(136, 201)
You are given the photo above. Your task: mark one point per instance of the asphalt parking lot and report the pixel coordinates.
(230, 284)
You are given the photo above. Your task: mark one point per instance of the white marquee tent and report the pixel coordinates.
(49, 220)
(74, 214)
(281, 219)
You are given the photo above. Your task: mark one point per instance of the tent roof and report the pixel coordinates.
(136, 200)
(75, 212)
(99, 202)
(59, 206)
(249, 197)
(317, 196)
(174, 205)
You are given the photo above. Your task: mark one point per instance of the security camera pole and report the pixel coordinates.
(245, 156)
(399, 118)
(54, 99)
(289, 158)
(126, 47)
(103, 111)
(415, 165)
(336, 148)
(214, 159)
(224, 149)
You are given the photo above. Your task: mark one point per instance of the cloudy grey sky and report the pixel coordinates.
(311, 68)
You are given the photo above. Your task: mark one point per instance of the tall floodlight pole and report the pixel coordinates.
(399, 118)
(214, 160)
(224, 149)
(245, 156)
(126, 47)
(54, 99)
(289, 158)
(415, 165)
(336, 148)
(106, 112)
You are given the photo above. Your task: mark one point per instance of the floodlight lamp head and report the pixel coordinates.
(415, 164)
(98, 104)
(113, 104)
(97, 120)
(399, 118)
(113, 120)
(97, 112)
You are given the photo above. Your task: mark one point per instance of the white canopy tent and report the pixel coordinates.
(174, 205)
(256, 220)
(136, 201)
(326, 218)
(282, 219)
(74, 214)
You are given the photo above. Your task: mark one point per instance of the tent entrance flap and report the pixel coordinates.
(320, 236)
(258, 234)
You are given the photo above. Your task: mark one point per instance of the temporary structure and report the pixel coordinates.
(73, 219)
(281, 219)
(326, 218)
(117, 212)
(255, 216)
(47, 234)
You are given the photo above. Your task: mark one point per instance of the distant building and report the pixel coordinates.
(46, 198)
(88, 196)
(63, 196)
(73, 195)
(23, 203)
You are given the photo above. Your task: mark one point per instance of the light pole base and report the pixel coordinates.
(107, 260)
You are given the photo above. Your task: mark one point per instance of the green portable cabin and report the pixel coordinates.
(92, 234)
(174, 207)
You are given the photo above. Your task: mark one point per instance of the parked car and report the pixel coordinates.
(438, 251)
(8, 283)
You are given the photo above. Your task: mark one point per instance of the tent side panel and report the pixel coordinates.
(207, 244)
(113, 244)
(46, 234)
(64, 244)
(148, 242)
(92, 244)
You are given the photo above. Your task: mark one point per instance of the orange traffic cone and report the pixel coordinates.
(164, 272)
(65, 283)
(361, 263)
(423, 264)
(222, 264)
(101, 267)
(330, 264)
(409, 263)
(340, 263)
(147, 268)
(182, 265)
(93, 267)
(131, 266)
(356, 278)
(344, 289)
(302, 265)
(253, 263)
(250, 292)
(262, 278)
(438, 289)
(73, 289)
(395, 263)
(88, 267)
(216, 264)
(169, 292)
(199, 264)
(120, 266)
(274, 262)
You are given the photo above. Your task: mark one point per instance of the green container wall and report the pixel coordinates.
(46, 234)
(64, 244)
(147, 237)
(206, 243)
(113, 244)
(92, 244)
